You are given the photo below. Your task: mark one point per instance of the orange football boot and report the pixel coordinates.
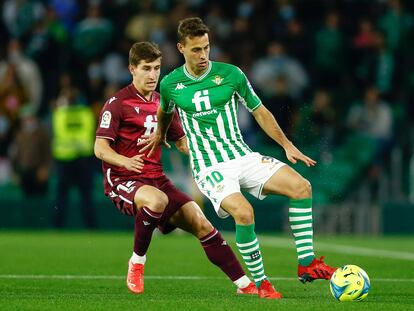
(250, 289)
(266, 290)
(316, 270)
(135, 278)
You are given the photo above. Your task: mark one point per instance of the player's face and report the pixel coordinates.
(196, 51)
(145, 75)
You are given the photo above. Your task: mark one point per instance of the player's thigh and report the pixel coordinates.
(286, 181)
(237, 206)
(218, 182)
(150, 197)
(191, 218)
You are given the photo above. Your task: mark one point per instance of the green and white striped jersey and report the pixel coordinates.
(207, 106)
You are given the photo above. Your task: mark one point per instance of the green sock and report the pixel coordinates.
(300, 220)
(248, 246)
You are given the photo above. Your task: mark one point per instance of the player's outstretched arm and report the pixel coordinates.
(270, 126)
(104, 151)
(160, 138)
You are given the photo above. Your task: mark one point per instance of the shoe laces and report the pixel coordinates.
(136, 268)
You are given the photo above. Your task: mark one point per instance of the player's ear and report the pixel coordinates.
(131, 69)
(180, 47)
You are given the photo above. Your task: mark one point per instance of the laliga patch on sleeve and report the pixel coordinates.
(106, 120)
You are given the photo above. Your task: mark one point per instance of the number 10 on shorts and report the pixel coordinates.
(214, 178)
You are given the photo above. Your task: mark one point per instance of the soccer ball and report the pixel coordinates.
(349, 283)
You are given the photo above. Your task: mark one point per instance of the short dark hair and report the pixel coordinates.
(147, 51)
(191, 27)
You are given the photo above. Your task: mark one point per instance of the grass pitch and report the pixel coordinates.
(86, 271)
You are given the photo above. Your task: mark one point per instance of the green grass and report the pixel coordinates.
(86, 271)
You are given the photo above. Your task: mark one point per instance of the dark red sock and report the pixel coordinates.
(221, 255)
(145, 223)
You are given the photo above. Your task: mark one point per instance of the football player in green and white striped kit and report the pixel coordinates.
(206, 95)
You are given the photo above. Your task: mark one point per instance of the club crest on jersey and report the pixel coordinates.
(219, 188)
(106, 120)
(217, 80)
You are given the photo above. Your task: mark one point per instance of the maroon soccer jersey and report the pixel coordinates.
(124, 119)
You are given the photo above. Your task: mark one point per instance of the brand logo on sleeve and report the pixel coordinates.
(106, 120)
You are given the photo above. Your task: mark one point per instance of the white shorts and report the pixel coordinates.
(248, 173)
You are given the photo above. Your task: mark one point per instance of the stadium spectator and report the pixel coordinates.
(379, 68)
(283, 105)
(373, 116)
(73, 125)
(277, 64)
(26, 70)
(93, 34)
(19, 16)
(317, 127)
(31, 154)
(329, 52)
(396, 24)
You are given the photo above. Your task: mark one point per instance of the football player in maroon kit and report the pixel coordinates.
(137, 184)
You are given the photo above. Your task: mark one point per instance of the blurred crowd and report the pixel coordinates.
(323, 67)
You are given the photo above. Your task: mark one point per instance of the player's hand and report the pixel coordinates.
(152, 142)
(134, 164)
(293, 155)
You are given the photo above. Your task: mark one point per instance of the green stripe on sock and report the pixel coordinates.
(302, 204)
(245, 234)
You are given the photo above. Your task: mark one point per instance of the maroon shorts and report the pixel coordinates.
(122, 195)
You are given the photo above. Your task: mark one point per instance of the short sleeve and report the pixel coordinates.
(166, 103)
(109, 119)
(175, 131)
(247, 95)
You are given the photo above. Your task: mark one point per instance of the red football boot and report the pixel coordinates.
(250, 289)
(266, 290)
(135, 278)
(316, 270)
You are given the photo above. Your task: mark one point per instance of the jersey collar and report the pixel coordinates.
(190, 76)
(140, 96)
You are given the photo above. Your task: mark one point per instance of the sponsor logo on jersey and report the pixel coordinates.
(150, 124)
(217, 80)
(111, 100)
(106, 119)
(180, 86)
(205, 113)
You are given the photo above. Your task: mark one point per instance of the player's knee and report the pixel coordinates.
(244, 216)
(202, 227)
(302, 189)
(157, 202)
